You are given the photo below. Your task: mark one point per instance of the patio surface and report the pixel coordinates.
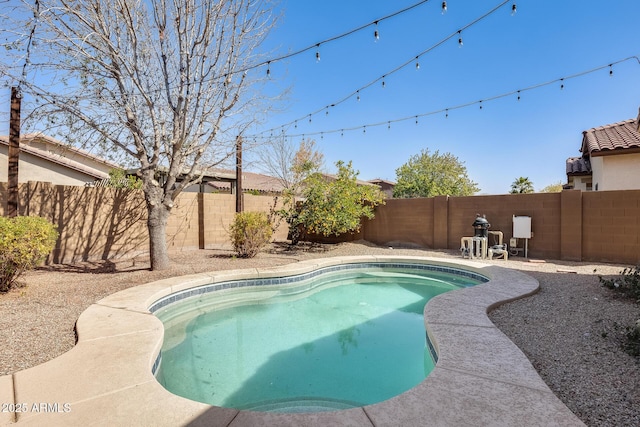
(481, 377)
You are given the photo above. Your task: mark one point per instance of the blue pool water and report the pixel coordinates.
(339, 340)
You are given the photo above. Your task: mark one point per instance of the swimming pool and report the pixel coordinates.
(335, 338)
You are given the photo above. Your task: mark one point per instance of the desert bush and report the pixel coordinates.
(628, 282)
(249, 232)
(25, 241)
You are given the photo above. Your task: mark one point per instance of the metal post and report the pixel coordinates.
(239, 198)
(14, 153)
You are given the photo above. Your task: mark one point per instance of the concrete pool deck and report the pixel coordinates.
(481, 377)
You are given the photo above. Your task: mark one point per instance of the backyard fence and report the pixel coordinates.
(102, 223)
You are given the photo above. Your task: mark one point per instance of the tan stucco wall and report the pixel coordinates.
(618, 172)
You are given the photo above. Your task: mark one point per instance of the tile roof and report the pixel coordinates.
(611, 139)
(252, 182)
(578, 166)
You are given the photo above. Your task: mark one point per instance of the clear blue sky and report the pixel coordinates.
(545, 40)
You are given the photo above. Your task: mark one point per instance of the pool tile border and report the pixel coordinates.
(458, 392)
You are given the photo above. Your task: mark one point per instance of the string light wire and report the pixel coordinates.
(411, 61)
(332, 39)
(465, 105)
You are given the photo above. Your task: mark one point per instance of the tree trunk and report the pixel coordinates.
(157, 225)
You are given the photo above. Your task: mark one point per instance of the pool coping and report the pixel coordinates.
(481, 377)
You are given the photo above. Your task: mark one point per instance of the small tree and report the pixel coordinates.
(120, 180)
(24, 242)
(521, 185)
(292, 168)
(333, 207)
(428, 175)
(552, 188)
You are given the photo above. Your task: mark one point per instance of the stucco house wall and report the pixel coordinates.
(44, 159)
(618, 172)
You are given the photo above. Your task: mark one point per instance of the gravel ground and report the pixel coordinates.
(572, 330)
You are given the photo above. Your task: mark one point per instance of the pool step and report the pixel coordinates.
(300, 405)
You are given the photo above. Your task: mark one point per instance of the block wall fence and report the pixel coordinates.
(104, 223)
(601, 226)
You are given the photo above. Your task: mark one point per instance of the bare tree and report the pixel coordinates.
(168, 83)
(290, 163)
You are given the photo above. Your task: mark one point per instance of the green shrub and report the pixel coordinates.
(628, 283)
(632, 346)
(25, 241)
(249, 232)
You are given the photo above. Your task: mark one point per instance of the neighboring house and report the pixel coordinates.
(385, 186)
(251, 183)
(610, 158)
(264, 184)
(45, 159)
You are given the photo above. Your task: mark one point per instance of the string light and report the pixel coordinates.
(561, 84)
(269, 69)
(383, 83)
(481, 102)
(460, 38)
(318, 53)
(389, 125)
(444, 7)
(376, 34)
(458, 33)
(610, 69)
(513, 9)
(417, 64)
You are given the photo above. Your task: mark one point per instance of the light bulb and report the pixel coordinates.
(513, 9)
(376, 34)
(561, 83)
(460, 39)
(383, 84)
(444, 7)
(358, 98)
(417, 64)
(611, 69)
(446, 113)
(318, 53)
(518, 95)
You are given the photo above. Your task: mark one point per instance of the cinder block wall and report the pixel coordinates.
(102, 223)
(611, 226)
(571, 225)
(106, 223)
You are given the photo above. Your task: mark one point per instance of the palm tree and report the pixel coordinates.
(521, 185)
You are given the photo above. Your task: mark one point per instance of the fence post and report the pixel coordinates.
(441, 222)
(571, 225)
(201, 241)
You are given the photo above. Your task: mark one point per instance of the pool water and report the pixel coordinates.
(344, 339)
